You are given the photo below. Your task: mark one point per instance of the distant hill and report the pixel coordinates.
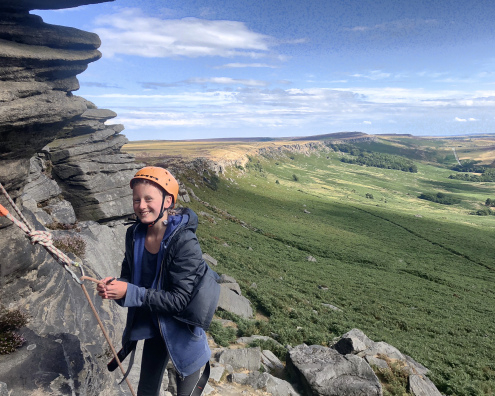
(336, 135)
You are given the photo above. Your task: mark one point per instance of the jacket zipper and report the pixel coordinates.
(165, 254)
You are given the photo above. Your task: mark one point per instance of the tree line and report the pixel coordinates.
(377, 160)
(487, 176)
(440, 198)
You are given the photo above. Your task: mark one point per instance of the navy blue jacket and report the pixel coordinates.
(181, 269)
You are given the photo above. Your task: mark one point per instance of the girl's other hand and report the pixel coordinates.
(101, 288)
(112, 289)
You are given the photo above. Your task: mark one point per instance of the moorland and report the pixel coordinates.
(406, 255)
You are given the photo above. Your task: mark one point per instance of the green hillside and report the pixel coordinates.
(414, 273)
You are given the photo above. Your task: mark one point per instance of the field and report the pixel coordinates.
(416, 274)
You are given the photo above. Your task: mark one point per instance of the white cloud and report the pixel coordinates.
(132, 33)
(373, 75)
(471, 119)
(257, 108)
(227, 81)
(242, 65)
(399, 25)
(456, 80)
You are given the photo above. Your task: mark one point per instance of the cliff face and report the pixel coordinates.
(62, 164)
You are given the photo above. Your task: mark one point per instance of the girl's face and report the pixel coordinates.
(147, 201)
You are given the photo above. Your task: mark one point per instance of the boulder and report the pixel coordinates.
(273, 385)
(234, 287)
(420, 385)
(383, 349)
(216, 372)
(353, 341)
(210, 260)
(245, 358)
(232, 302)
(323, 371)
(381, 355)
(272, 363)
(249, 340)
(224, 278)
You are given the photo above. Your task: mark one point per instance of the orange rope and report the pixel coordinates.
(44, 238)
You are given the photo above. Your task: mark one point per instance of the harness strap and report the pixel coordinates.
(131, 362)
(200, 385)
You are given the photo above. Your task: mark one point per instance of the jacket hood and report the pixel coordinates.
(192, 223)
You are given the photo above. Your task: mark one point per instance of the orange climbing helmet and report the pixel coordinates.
(159, 176)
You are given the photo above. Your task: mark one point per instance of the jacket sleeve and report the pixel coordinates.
(184, 266)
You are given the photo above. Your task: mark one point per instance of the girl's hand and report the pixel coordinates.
(111, 289)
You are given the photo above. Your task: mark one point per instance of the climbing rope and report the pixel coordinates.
(44, 238)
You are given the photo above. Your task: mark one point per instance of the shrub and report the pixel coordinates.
(369, 196)
(223, 336)
(295, 177)
(10, 322)
(484, 212)
(394, 379)
(278, 350)
(211, 181)
(440, 198)
(71, 244)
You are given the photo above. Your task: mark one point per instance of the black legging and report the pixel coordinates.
(153, 364)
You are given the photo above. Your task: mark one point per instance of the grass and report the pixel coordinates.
(414, 273)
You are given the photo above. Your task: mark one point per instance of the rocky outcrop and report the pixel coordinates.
(46, 4)
(39, 64)
(90, 168)
(324, 371)
(352, 366)
(383, 357)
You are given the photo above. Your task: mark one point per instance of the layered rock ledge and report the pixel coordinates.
(39, 63)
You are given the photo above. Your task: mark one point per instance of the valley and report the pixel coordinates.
(303, 232)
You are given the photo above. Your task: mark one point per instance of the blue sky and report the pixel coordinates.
(185, 69)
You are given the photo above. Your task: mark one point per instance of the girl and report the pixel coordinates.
(160, 274)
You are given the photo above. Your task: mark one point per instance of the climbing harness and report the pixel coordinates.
(44, 238)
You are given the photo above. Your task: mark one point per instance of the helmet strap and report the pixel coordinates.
(162, 212)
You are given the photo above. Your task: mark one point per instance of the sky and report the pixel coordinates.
(188, 69)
